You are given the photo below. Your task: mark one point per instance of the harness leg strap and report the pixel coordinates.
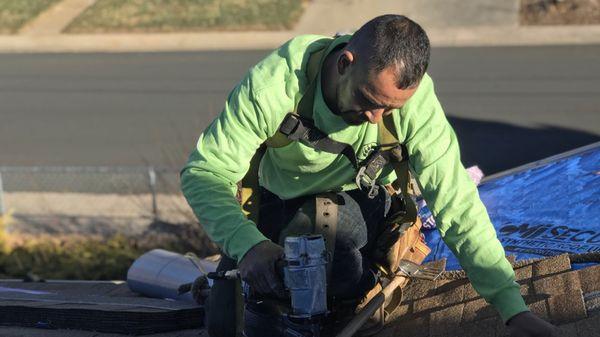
(326, 218)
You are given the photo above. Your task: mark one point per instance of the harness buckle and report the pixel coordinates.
(367, 173)
(289, 125)
(364, 181)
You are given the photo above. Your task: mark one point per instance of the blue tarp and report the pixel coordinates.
(542, 210)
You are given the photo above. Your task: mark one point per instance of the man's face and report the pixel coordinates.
(366, 96)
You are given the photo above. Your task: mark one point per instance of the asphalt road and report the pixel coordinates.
(509, 106)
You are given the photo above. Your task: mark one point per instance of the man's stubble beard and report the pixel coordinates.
(347, 116)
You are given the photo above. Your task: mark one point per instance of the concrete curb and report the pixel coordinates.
(142, 42)
(515, 36)
(455, 37)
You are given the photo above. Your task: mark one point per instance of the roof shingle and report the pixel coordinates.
(451, 307)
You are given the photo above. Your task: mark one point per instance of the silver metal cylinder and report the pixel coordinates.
(160, 273)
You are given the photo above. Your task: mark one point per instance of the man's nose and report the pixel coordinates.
(374, 116)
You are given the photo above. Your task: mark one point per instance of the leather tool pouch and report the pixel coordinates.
(410, 244)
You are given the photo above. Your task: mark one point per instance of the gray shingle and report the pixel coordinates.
(448, 298)
(552, 291)
(540, 308)
(588, 327)
(590, 279)
(568, 307)
(551, 265)
(524, 272)
(478, 310)
(445, 319)
(415, 327)
(557, 284)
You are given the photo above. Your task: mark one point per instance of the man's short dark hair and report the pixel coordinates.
(395, 40)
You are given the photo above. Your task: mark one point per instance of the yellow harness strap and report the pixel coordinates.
(388, 140)
(250, 196)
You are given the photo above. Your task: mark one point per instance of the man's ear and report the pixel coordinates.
(344, 61)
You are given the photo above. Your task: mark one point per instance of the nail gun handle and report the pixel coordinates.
(235, 273)
(224, 275)
(279, 267)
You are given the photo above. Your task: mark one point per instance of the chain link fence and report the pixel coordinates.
(89, 198)
(120, 180)
(92, 222)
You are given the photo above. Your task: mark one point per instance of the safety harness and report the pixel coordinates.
(299, 126)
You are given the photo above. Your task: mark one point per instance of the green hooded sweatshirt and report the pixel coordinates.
(255, 109)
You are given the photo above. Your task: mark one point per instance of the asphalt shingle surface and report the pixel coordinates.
(451, 307)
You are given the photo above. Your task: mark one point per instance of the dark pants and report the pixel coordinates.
(359, 223)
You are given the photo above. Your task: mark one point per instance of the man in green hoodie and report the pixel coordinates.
(380, 70)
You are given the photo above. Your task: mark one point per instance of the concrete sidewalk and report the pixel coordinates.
(56, 18)
(447, 22)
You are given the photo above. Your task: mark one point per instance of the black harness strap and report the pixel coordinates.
(302, 128)
(298, 128)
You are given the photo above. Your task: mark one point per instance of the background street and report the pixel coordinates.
(509, 105)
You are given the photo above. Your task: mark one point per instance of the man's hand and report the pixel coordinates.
(258, 268)
(526, 324)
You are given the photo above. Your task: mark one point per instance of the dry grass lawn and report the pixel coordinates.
(92, 236)
(560, 12)
(187, 15)
(15, 13)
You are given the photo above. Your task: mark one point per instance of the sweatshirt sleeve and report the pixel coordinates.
(221, 159)
(454, 201)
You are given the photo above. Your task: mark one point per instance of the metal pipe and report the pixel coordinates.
(2, 210)
(152, 181)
